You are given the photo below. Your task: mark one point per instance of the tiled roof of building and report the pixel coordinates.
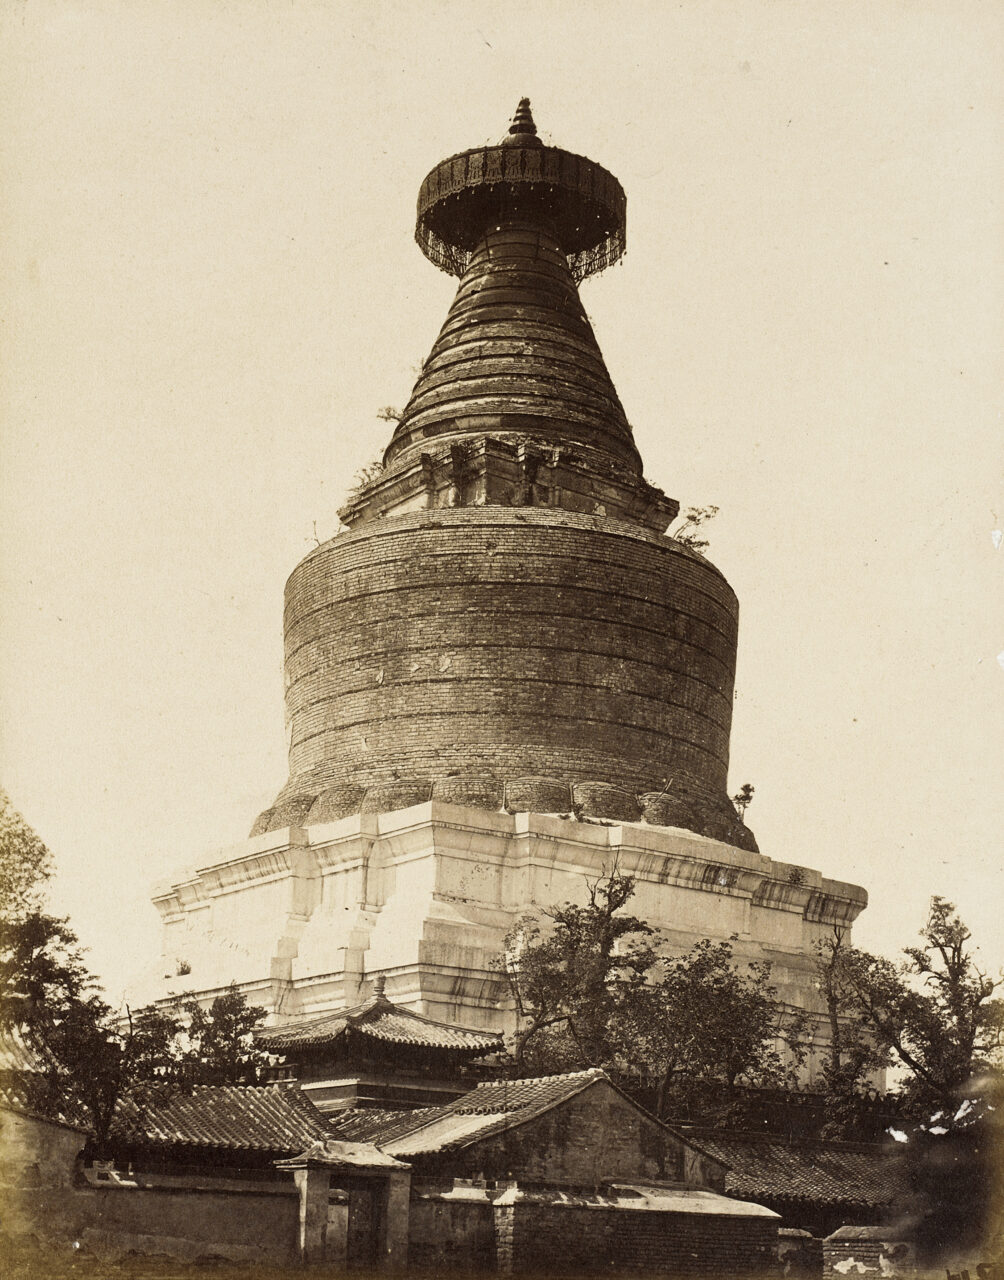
(19, 1052)
(24, 1060)
(337, 1153)
(376, 1124)
(487, 1109)
(825, 1173)
(381, 1020)
(226, 1117)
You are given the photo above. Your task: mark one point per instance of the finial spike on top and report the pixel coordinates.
(522, 121)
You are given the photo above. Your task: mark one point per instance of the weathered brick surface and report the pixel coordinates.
(451, 1236)
(596, 1137)
(505, 622)
(516, 350)
(573, 1240)
(857, 1250)
(505, 644)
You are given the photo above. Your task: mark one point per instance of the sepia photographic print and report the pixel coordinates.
(502, 646)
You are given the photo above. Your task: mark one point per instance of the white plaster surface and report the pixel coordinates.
(304, 919)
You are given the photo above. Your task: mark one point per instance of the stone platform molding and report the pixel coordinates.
(308, 921)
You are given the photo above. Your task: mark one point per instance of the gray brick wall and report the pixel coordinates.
(503, 644)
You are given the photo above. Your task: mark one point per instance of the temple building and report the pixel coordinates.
(502, 678)
(378, 1055)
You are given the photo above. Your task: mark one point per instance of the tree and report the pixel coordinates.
(693, 519)
(25, 862)
(92, 1062)
(935, 1013)
(41, 969)
(951, 1162)
(742, 799)
(88, 1058)
(221, 1045)
(115, 1066)
(852, 1052)
(572, 979)
(593, 991)
(708, 1027)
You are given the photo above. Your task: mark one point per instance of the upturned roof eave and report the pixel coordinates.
(334, 1027)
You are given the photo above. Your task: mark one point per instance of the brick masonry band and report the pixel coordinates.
(535, 658)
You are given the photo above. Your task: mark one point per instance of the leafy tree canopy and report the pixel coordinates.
(711, 1022)
(96, 1064)
(934, 1013)
(591, 990)
(577, 973)
(220, 1040)
(87, 1058)
(853, 1050)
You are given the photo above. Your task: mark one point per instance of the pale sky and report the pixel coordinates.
(211, 288)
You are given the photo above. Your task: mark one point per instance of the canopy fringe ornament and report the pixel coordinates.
(468, 194)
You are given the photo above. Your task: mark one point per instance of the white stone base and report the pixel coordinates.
(303, 919)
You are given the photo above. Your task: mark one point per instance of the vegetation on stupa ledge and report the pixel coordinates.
(687, 532)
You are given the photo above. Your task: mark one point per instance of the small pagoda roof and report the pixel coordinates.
(334, 1153)
(379, 1020)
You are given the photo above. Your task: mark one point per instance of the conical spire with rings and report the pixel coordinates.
(520, 223)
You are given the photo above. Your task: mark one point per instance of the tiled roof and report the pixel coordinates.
(374, 1124)
(24, 1060)
(336, 1153)
(381, 1020)
(486, 1110)
(227, 1117)
(20, 1052)
(830, 1173)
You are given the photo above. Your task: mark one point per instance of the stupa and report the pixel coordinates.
(503, 677)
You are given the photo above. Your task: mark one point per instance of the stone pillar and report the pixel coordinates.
(505, 1222)
(396, 1220)
(312, 1183)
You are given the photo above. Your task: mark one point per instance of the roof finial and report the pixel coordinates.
(379, 983)
(522, 131)
(522, 121)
